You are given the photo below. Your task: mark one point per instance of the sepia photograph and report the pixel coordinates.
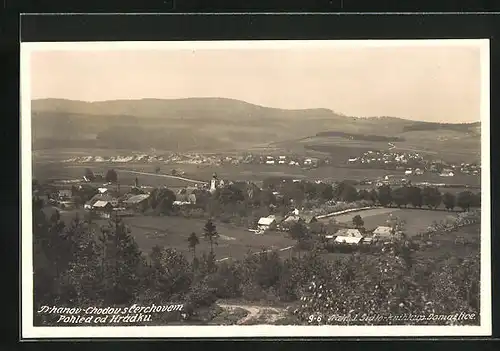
(255, 189)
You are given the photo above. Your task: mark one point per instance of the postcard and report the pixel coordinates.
(203, 189)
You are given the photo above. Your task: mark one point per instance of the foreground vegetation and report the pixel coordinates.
(81, 265)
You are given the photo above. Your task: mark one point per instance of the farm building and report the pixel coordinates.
(64, 194)
(103, 208)
(383, 233)
(447, 173)
(351, 233)
(136, 201)
(185, 196)
(347, 240)
(101, 197)
(266, 223)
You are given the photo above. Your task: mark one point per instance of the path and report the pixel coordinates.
(164, 176)
(255, 311)
(258, 252)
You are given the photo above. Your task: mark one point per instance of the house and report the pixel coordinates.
(103, 197)
(310, 219)
(418, 171)
(103, 208)
(383, 233)
(136, 201)
(349, 232)
(266, 223)
(185, 196)
(408, 172)
(367, 240)
(447, 173)
(64, 194)
(347, 240)
(292, 218)
(270, 162)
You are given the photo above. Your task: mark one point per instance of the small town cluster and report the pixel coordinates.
(412, 163)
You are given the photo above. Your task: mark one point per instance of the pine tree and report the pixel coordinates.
(210, 233)
(122, 263)
(193, 242)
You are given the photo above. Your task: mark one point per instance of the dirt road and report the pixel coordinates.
(265, 314)
(164, 176)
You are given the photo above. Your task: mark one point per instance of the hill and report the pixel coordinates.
(210, 124)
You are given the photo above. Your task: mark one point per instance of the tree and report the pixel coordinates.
(157, 169)
(357, 221)
(122, 263)
(346, 192)
(476, 200)
(465, 200)
(161, 200)
(193, 242)
(112, 176)
(449, 201)
(89, 174)
(400, 196)
(298, 231)
(385, 195)
(229, 195)
(210, 234)
(373, 196)
(326, 192)
(170, 274)
(267, 197)
(415, 196)
(431, 197)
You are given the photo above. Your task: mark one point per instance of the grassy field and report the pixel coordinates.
(174, 231)
(415, 220)
(250, 172)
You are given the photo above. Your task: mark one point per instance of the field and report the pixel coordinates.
(250, 172)
(174, 231)
(415, 220)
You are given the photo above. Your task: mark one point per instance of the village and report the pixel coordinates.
(111, 199)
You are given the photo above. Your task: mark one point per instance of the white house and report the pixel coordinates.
(351, 233)
(270, 162)
(382, 232)
(266, 223)
(447, 173)
(347, 240)
(408, 172)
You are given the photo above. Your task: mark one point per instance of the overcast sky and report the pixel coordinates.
(421, 83)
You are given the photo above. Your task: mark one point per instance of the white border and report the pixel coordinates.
(29, 331)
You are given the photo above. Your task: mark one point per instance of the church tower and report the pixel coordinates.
(213, 183)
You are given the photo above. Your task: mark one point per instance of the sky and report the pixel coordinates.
(435, 83)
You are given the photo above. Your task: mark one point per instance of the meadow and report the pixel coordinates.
(415, 220)
(171, 231)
